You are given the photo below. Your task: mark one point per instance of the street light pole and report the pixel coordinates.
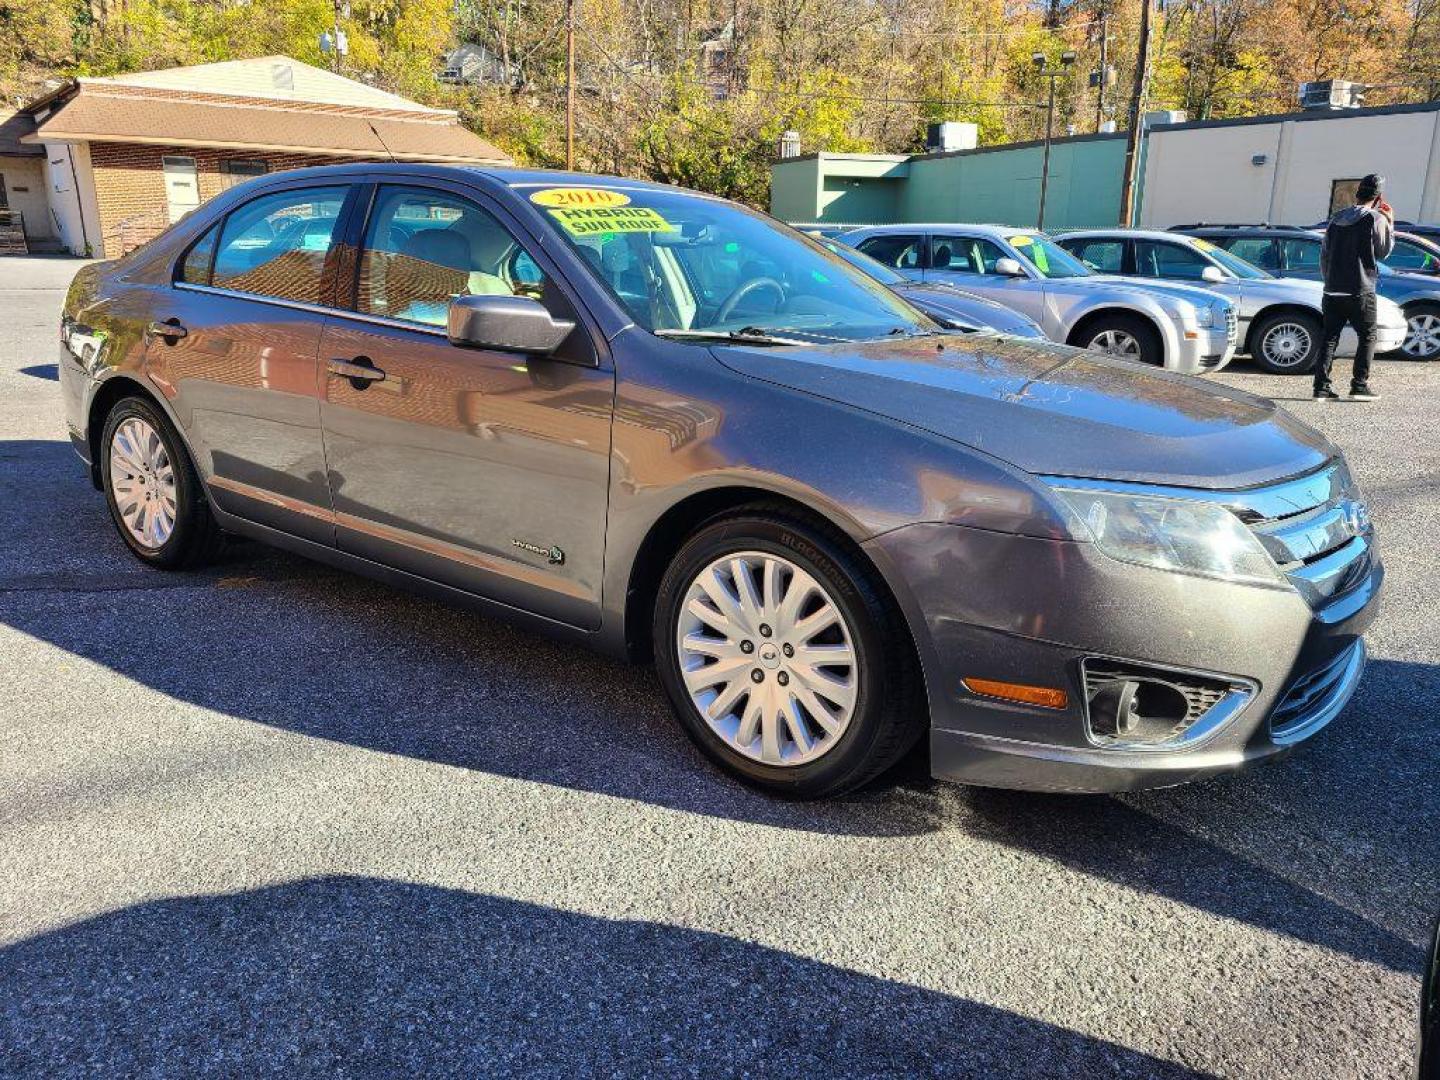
(570, 84)
(1067, 59)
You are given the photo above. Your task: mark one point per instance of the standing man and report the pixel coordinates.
(1357, 239)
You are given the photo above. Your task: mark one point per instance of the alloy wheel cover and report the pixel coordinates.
(767, 658)
(142, 480)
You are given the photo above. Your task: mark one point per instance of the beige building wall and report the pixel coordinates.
(1210, 173)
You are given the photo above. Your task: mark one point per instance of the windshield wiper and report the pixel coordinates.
(748, 335)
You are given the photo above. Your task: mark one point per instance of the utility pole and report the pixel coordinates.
(1067, 58)
(1104, 69)
(569, 84)
(1137, 107)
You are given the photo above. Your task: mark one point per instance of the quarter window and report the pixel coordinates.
(196, 267)
(901, 252)
(276, 245)
(424, 247)
(1159, 259)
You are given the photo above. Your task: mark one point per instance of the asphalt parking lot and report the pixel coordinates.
(271, 816)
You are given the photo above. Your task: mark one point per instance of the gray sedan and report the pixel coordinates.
(662, 425)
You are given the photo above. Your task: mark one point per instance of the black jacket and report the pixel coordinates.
(1357, 239)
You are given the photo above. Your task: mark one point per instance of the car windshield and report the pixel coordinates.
(1048, 258)
(864, 263)
(686, 265)
(1236, 265)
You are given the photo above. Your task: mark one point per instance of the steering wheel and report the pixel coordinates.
(744, 289)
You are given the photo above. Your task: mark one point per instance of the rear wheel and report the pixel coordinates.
(154, 494)
(1287, 343)
(783, 658)
(1422, 332)
(1127, 336)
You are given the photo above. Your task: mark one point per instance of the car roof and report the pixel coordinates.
(509, 177)
(942, 226)
(1120, 230)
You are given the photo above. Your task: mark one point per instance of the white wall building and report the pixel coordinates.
(1291, 170)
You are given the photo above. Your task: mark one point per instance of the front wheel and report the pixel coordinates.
(1287, 343)
(1422, 332)
(783, 658)
(1126, 336)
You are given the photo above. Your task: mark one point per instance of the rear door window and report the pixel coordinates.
(277, 245)
(1102, 256)
(1259, 250)
(1301, 256)
(965, 254)
(901, 252)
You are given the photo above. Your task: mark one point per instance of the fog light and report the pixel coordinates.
(1137, 710)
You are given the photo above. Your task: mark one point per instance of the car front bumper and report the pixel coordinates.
(1211, 349)
(1030, 611)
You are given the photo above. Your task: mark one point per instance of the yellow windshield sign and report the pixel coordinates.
(590, 220)
(1204, 245)
(579, 196)
(1021, 241)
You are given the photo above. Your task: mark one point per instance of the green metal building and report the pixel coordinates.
(999, 184)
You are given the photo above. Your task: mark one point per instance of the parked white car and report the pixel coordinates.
(1279, 317)
(1180, 327)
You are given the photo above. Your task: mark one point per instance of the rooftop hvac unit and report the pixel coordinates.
(952, 135)
(1332, 94)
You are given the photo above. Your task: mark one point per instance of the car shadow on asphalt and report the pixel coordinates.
(280, 641)
(362, 976)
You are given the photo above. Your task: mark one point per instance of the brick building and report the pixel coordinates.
(123, 157)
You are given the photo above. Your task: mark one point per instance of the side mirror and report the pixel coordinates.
(509, 323)
(1213, 274)
(1008, 267)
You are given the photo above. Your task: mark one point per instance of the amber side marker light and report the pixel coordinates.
(1026, 695)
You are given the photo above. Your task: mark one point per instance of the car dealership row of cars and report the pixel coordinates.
(1165, 297)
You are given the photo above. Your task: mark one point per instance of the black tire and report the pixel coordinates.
(1413, 312)
(1139, 329)
(889, 713)
(1302, 323)
(195, 539)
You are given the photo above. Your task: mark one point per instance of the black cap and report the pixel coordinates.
(1369, 187)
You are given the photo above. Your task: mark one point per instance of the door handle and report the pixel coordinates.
(361, 371)
(170, 329)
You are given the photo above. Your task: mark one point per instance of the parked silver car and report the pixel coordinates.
(1279, 317)
(947, 305)
(1174, 326)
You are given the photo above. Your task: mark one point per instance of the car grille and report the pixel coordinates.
(1232, 325)
(1316, 529)
(1316, 693)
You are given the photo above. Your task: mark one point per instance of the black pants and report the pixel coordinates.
(1359, 312)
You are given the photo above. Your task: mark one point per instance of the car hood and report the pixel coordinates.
(1053, 410)
(968, 307)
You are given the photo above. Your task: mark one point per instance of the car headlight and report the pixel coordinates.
(1185, 535)
(1205, 316)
